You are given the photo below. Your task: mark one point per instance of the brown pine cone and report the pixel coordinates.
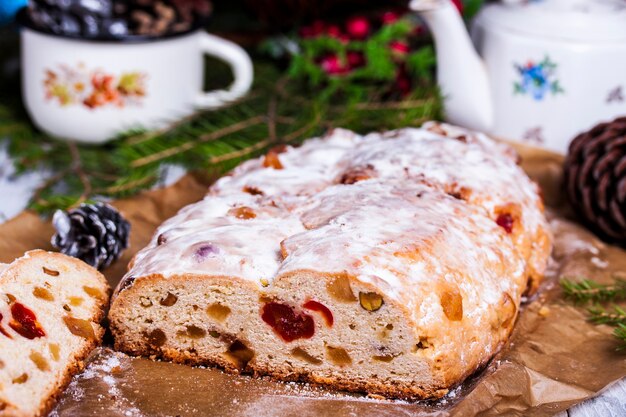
(595, 179)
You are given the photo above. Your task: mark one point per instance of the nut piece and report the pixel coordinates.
(370, 301)
(168, 301)
(339, 288)
(43, 293)
(80, 327)
(452, 303)
(39, 361)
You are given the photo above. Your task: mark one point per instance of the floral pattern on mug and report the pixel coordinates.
(94, 88)
(537, 79)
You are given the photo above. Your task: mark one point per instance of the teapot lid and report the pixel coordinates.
(573, 20)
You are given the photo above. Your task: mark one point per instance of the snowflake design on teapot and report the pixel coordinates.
(70, 86)
(537, 79)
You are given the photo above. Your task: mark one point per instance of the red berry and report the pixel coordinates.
(358, 27)
(332, 65)
(399, 47)
(459, 5)
(505, 221)
(333, 31)
(287, 323)
(25, 322)
(322, 309)
(403, 82)
(389, 18)
(356, 59)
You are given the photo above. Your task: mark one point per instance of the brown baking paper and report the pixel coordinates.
(555, 358)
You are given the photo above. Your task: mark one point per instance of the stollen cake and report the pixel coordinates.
(50, 311)
(392, 264)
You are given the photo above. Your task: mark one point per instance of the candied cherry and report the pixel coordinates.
(322, 309)
(287, 323)
(25, 322)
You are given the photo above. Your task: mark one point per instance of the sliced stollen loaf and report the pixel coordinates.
(392, 264)
(50, 311)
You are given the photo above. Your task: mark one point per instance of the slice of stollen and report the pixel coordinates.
(50, 311)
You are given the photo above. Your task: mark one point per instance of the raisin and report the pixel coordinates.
(161, 239)
(252, 190)
(288, 324)
(43, 293)
(169, 300)
(51, 272)
(80, 327)
(271, 160)
(218, 311)
(21, 379)
(321, 308)
(339, 356)
(39, 361)
(357, 174)
(452, 304)
(55, 351)
(339, 288)
(505, 221)
(24, 322)
(94, 292)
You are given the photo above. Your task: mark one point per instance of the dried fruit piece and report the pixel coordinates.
(338, 356)
(321, 308)
(264, 282)
(288, 324)
(21, 379)
(384, 358)
(271, 160)
(66, 308)
(50, 272)
(218, 312)
(156, 338)
(3, 330)
(507, 311)
(239, 353)
(205, 251)
(244, 213)
(94, 292)
(55, 351)
(339, 288)
(356, 174)
(303, 355)
(252, 190)
(505, 221)
(24, 322)
(10, 298)
(79, 327)
(161, 239)
(39, 361)
(452, 303)
(76, 301)
(370, 301)
(43, 293)
(169, 300)
(194, 332)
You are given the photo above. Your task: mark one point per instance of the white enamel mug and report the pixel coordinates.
(91, 91)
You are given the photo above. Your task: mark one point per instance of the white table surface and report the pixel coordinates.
(610, 403)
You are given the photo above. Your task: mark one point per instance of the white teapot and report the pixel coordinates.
(549, 68)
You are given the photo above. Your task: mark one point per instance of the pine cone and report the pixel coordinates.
(595, 179)
(95, 233)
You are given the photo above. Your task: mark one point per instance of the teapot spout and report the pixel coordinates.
(461, 74)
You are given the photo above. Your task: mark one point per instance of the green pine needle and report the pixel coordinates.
(590, 291)
(620, 333)
(615, 316)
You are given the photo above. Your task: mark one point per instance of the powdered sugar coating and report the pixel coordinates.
(303, 205)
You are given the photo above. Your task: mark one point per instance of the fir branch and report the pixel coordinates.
(588, 290)
(599, 315)
(620, 333)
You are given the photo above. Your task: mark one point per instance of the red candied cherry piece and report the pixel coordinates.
(2, 330)
(25, 322)
(505, 221)
(287, 323)
(322, 309)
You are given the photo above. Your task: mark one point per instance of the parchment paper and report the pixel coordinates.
(555, 358)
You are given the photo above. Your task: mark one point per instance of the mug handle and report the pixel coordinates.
(240, 63)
